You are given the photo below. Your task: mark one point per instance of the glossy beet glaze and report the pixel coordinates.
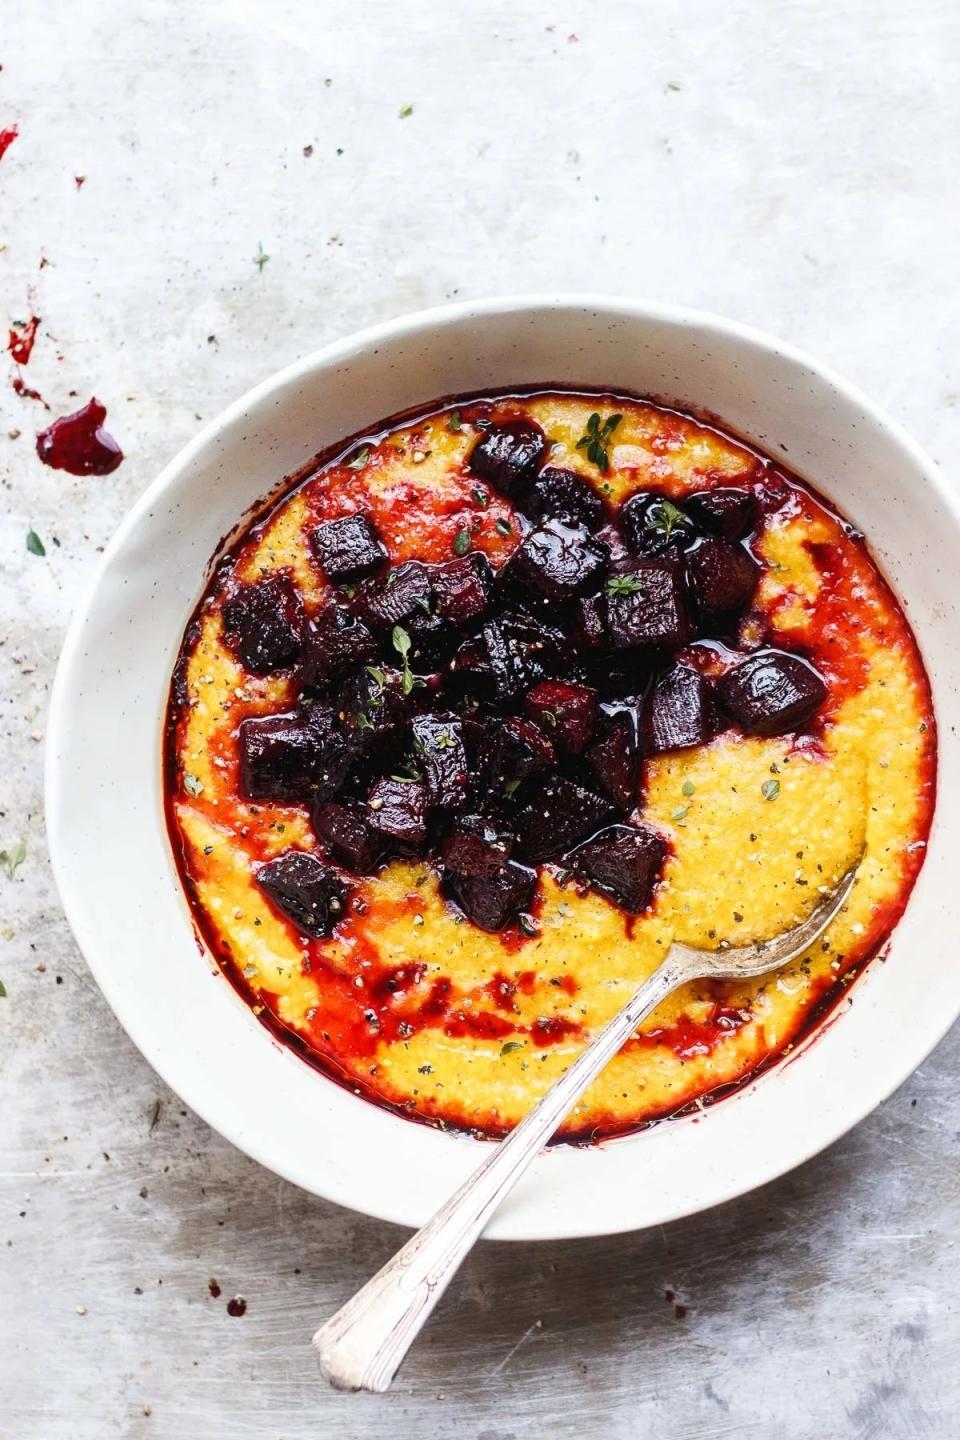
(473, 683)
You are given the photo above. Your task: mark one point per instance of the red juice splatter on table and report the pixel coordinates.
(22, 339)
(22, 389)
(78, 444)
(7, 138)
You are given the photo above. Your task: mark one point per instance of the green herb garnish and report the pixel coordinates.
(510, 1046)
(401, 643)
(510, 789)
(770, 789)
(462, 543)
(363, 722)
(191, 784)
(688, 787)
(377, 676)
(623, 585)
(680, 814)
(34, 544)
(12, 859)
(664, 517)
(596, 437)
(454, 423)
(526, 925)
(503, 527)
(360, 459)
(481, 497)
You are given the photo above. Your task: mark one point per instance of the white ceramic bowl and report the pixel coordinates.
(104, 803)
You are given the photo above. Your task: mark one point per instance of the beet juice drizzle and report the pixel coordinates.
(686, 1037)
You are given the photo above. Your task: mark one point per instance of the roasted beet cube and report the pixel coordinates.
(348, 549)
(772, 692)
(373, 706)
(264, 624)
(514, 750)
(654, 524)
(561, 814)
(564, 495)
(336, 643)
(506, 455)
(341, 748)
(306, 890)
(648, 607)
(470, 671)
(280, 756)
(492, 901)
(623, 862)
(462, 588)
(679, 712)
(398, 812)
(721, 576)
(403, 591)
(522, 651)
(438, 741)
(614, 756)
(563, 711)
(559, 561)
(726, 511)
(347, 833)
(476, 847)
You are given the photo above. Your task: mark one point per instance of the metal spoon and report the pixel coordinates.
(363, 1344)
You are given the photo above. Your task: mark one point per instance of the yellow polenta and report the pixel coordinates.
(423, 1011)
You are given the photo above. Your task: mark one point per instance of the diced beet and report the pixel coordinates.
(726, 511)
(347, 833)
(398, 811)
(438, 741)
(653, 524)
(592, 631)
(648, 607)
(403, 591)
(373, 706)
(561, 814)
(341, 748)
(564, 495)
(462, 588)
(279, 756)
(305, 889)
(348, 549)
(679, 712)
(624, 863)
(563, 711)
(514, 750)
(492, 901)
(264, 624)
(336, 643)
(559, 561)
(522, 651)
(505, 455)
(614, 756)
(772, 692)
(470, 670)
(721, 575)
(476, 847)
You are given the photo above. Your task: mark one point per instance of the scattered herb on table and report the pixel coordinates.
(34, 544)
(12, 859)
(596, 438)
(261, 257)
(3, 991)
(405, 111)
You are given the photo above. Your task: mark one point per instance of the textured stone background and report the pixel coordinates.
(790, 164)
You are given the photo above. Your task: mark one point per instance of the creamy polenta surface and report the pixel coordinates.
(413, 1005)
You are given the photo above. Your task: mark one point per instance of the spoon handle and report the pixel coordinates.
(363, 1344)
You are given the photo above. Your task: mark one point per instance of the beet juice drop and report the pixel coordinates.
(78, 444)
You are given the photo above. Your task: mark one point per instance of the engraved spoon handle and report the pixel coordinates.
(363, 1344)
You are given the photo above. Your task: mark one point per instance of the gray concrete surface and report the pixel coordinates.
(793, 165)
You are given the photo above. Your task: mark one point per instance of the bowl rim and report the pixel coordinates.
(431, 318)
